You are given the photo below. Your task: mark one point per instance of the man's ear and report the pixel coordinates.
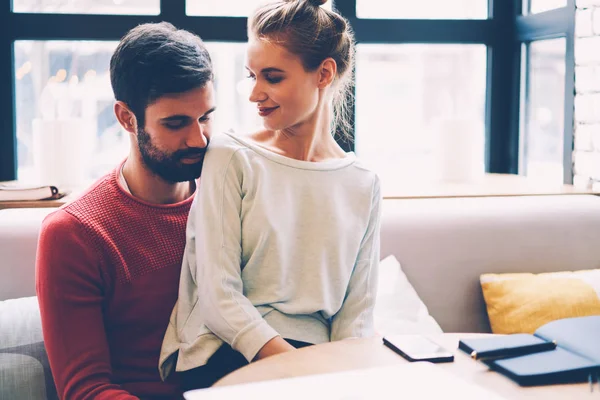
(125, 117)
(327, 72)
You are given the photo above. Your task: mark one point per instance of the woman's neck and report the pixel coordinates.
(309, 141)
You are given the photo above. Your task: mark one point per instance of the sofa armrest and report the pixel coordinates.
(19, 231)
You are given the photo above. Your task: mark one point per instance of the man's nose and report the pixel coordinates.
(198, 136)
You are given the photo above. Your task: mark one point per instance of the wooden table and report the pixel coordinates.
(365, 353)
(40, 203)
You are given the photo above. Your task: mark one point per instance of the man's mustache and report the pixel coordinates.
(190, 153)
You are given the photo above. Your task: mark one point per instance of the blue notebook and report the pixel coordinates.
(575, 358)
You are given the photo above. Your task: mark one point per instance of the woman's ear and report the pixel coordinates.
(125, 117)
(327, 72)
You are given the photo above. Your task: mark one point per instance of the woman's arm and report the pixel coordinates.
(274, 346)
(217, 268)
(355, 317)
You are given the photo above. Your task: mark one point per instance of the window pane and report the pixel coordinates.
(430, 9)
(420, 111)
(234, 110)
(226, 8)
(123, 7)
(66, 129)
(538, 6)
(65, 121)
(544, 105)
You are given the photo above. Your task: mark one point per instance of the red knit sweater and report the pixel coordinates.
(107, 279)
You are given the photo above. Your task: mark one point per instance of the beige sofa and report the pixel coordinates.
(442, 244)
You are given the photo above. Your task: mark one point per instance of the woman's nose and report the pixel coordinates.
(256, 94)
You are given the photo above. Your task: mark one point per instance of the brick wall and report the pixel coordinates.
(586, 155)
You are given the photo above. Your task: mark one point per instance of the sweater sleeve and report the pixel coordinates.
(355, 317)
(70, 289)
(218, 246)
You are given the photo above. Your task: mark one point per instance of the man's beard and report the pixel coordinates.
(168, 166)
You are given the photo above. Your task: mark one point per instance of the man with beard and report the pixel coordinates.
(108, 263)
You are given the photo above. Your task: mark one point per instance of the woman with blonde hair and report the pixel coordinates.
(283, 237)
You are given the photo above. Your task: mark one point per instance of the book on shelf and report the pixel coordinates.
(563, 351)
(16, 192)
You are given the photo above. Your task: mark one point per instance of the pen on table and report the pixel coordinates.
(505, 353)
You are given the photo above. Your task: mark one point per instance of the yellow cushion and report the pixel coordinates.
(521, 303)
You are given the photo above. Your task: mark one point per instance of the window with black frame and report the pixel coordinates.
(547, 90)
(544, 102)
(428, 85)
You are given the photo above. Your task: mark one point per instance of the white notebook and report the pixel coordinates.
(420, 380)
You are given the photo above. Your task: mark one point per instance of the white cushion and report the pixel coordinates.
(398, 308)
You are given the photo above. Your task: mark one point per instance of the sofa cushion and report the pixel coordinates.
(24, 369)
(521, 303)
(398, 308)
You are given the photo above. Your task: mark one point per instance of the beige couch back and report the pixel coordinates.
(444, 245)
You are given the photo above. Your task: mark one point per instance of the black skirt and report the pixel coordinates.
(224, 361)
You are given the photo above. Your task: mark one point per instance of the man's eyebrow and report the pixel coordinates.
(175, 118)
(178, 118)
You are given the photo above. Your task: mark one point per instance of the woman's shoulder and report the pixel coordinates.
(249, 139)
(365, 177)
(363, 169)
(224, 139)
(234, 140)
(228, 149)
(224, 145)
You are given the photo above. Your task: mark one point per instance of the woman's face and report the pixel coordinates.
(285, 94)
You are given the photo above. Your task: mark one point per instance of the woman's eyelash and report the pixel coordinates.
(268, 78)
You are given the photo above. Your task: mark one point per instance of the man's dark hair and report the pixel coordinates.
(156, 59)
